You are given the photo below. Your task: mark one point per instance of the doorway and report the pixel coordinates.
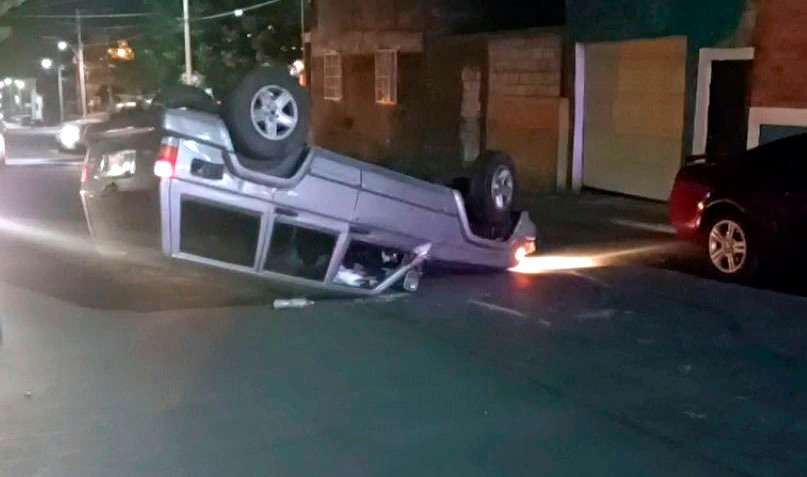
(728, 109)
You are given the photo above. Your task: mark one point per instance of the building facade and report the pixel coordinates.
(425, 86)
(612, 97)
(655, 81)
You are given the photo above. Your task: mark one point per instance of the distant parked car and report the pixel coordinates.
(745, 210)
(72, 135)
(75, 136)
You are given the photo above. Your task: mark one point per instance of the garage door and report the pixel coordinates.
(634, 115)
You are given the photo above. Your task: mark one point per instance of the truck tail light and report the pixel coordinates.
(166, 163)
(526, 249)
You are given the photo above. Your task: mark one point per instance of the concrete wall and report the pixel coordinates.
(780, 63)
(524, 104)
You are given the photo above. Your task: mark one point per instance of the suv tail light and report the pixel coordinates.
(166, 163)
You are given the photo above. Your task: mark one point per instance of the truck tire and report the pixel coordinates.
(184, 96)
(267, 115)
(493, 190)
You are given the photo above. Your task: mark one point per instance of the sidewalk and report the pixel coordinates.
(592, 218)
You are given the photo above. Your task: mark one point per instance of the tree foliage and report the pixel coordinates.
(223, 48)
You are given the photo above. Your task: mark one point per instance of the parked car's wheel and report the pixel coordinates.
(493, 189)
(730, 250)
(267, 115)
(184, 96)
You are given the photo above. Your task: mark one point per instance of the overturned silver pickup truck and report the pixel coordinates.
(241, 191)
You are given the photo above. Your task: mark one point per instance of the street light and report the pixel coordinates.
(63, 45)
(46, 63)
(20, 84)
(8, 81)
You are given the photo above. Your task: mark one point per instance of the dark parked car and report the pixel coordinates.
(745, 210)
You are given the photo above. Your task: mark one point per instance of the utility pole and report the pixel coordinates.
(82, 78)
(302, 23)
(188, 56)
(59, 70)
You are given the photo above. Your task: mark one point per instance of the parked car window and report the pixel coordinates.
(776, 164)
(332, 76)
(780, 151)
(386, 77)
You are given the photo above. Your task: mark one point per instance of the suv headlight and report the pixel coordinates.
(118, 164)
(69, 136)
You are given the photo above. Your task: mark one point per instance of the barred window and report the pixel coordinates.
(386, 77)
(332, 77)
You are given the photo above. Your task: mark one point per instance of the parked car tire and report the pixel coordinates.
(493, 189)
(730, 249)
(184, 96)
(268, 114)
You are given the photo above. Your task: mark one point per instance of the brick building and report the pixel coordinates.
(612, 96)
(424, 85)
(777, 95)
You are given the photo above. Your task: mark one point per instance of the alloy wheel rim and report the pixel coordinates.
(274, 112)
(503, 188)
(728, 247)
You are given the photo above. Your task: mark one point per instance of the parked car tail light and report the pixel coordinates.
(692, 187)
(167, 158)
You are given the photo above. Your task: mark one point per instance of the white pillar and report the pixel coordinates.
(188, 56)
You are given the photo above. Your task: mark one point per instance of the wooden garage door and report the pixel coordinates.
(634, 115)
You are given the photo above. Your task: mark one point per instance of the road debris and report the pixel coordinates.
(685, 369)
(497, 308)
(295, 303)
(597, 315)
(695, 415)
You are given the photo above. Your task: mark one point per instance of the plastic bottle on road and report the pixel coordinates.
(293, 303)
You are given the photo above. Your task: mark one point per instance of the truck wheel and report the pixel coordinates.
(267, 115)
(184, 96)
(493, 189)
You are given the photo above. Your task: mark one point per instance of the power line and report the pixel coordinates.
(228, 13)
(87, 16)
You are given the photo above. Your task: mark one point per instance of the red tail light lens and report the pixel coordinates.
(166, 161)
(85, 172)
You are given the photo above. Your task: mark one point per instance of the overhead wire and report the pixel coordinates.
(225, 14)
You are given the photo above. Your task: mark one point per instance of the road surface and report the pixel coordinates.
(109, 366)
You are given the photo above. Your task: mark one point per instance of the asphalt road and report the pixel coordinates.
(114, 366)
